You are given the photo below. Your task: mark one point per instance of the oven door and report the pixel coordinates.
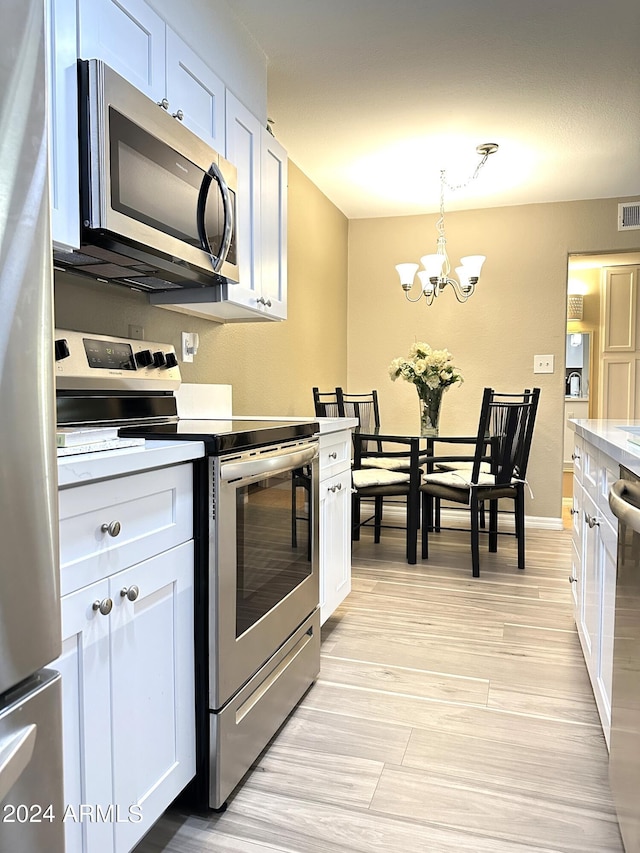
(151, 185)
(261, 587)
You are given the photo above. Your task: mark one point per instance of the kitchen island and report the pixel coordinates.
(600, 447)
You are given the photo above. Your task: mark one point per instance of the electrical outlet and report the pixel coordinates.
(136, 332)
(543, 364)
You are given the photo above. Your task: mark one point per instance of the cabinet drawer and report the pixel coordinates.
(147, 513)
(335, 453)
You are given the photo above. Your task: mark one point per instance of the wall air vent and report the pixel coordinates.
(629, 216)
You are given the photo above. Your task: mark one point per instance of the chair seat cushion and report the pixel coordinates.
(485, 467)
(461, 479)
(377, 477)
(389, 463)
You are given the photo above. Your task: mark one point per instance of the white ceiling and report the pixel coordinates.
(372, 98)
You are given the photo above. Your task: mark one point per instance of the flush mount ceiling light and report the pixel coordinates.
(436, 273)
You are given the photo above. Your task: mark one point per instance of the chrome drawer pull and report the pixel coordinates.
(335, 488)
(103, 606)
(573, 580)
(591, 520)
(131, 592)
(333, 455)
(112, 528)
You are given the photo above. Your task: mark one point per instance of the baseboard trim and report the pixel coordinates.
(533, 522)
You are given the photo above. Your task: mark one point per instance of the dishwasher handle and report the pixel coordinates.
(624, 500)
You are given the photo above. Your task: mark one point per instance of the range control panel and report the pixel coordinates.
(86, 361)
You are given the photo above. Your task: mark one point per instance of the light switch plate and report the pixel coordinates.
(543, 364)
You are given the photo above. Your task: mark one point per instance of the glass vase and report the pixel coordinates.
(430, 400)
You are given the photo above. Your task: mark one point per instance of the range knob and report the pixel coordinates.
(144, 358)
(159, 360)
(171, 359)
(61, 349)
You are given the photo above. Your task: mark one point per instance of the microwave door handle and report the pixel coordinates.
(214, 173)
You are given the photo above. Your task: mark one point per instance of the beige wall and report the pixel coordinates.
(518, 311)
(347, 335)
(272, 366)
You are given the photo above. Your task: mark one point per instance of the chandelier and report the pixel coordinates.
(436, 273)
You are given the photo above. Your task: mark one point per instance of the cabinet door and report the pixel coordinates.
(152, 671)
(193, 88)
(130, 39)
(86, 717)
(589, 627)
(244, 135)
(62, 86)
(273, 225)
(618, 309)
(607, 556)
(335, 542)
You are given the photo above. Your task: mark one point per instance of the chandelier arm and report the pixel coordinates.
(409, 299)
(461, 294)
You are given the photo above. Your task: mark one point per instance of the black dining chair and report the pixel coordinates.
(498, 471)
(380, 483)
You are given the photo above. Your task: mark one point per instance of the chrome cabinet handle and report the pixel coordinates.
(335, 488)
(178, 114)
(574, 511)
(591, 520)
(263, 301)
(575, 456)
(103, 606)
(164, 103)
(333, 455)
(112, 528)
(131, 592)
(573, 580)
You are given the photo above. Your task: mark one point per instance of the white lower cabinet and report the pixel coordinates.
(594, 571)
(127, 678)
(335, 521)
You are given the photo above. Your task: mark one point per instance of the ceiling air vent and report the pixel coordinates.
(629, 216)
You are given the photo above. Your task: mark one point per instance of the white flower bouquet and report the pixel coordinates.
(426, 367)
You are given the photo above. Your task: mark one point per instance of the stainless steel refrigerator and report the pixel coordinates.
(31, 795)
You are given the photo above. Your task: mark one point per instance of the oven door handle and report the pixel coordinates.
(260, 465)
(624, 500)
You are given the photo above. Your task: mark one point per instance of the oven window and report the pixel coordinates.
(155, 185)
(268, 568)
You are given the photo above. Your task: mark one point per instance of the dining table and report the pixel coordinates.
(373, 442)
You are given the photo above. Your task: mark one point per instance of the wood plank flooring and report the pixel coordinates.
(450, 715)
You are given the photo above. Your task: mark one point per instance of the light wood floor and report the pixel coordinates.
(450, 715)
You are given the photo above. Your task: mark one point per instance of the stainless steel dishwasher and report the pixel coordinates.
(624, 756)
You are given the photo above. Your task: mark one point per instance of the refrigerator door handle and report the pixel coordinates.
(15, 754)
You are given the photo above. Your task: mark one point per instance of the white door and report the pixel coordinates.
(273, 225)
(196, 91)
(86, 716)
(335, 542)
(152, 665)
(130, 39)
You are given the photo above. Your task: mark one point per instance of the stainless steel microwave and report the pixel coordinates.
(157, 204)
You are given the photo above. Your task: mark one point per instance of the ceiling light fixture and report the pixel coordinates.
(435, 275)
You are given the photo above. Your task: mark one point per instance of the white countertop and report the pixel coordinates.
(327, 425)
(87, 467)
(612, 437)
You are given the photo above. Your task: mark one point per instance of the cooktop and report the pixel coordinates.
(224, 435)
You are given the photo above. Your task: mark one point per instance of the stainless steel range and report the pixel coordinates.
(257, 620)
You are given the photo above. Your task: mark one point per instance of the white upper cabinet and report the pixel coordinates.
(63, 123)
(129, 38)
(273, 224)
(262, 221)
(196, 91)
